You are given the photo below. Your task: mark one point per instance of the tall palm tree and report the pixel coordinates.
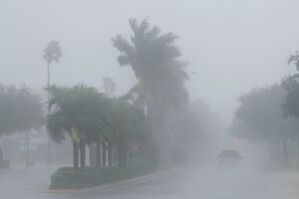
(154, 58)
(51, 53)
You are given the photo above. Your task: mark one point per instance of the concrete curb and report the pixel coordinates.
(60, 191)
(136, 180)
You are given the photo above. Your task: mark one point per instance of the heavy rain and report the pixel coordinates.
(149, 99)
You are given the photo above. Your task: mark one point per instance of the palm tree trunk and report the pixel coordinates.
(119, 155)
(75, 155)
(109, 154)
(131, 155)
(297, 153)
(104, 154)
(98, 154)
(124, 155)
(82, 154)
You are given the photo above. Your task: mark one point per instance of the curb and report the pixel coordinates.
(60, 191)
(135, 180)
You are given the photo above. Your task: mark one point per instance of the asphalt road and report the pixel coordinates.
(182, 183)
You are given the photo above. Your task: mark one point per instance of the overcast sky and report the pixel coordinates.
(233, 45)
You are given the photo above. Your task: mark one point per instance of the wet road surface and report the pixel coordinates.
(181, 183)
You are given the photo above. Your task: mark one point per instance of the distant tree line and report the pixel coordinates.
(20, 109)
(271, 114)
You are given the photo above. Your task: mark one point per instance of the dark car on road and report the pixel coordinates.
(229, 159)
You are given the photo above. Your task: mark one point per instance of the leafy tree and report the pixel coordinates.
(20, 109)
(129, 128)
(88, 117)
(291, 85)
(154, 58)
(260, 118)
(291, 105)
(77, 112)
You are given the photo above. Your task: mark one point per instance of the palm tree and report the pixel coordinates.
(88, 117)
(154, 58)
(109, 86)
(79, 112)
(51, 53)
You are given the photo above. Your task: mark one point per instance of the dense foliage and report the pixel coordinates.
(90, 118)
(260, 117)
(20, 109)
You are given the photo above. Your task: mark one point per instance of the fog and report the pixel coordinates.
(237, 53)
(232, 45)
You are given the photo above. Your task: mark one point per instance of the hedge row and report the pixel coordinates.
(70, 178)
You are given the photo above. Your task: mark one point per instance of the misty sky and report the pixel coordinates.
(234, 45)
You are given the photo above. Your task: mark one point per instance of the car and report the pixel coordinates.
(229, 159)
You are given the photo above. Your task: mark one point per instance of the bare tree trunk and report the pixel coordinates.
(75, 155)
(119, 155)
(82, 154)
(131, 155)
(124, 155)
(98, 154)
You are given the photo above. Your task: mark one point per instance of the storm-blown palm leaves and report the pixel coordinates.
(52, 52)
(154, 59)
(83, 113)
(87, 116)
(79, 108)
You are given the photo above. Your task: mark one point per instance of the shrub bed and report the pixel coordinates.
(70, 178)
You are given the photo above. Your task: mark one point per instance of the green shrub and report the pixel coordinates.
(70, 178)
